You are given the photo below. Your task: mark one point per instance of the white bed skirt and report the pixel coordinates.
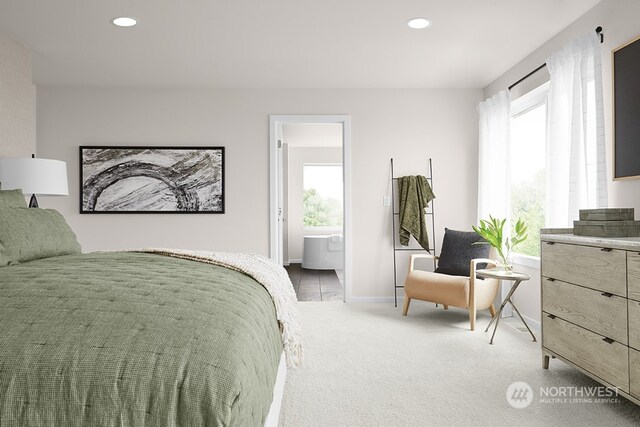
(278, 392)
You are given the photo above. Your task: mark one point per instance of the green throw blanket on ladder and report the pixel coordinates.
(415, 195)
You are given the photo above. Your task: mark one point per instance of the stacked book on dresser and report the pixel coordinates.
(607, 222)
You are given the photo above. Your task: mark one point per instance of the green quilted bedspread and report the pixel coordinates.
(128, 339)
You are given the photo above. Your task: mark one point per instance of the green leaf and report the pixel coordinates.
(492, 230)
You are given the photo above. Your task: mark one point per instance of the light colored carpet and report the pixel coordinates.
(366, 365)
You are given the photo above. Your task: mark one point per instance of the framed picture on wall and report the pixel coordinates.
(120, 179)
(626, 111)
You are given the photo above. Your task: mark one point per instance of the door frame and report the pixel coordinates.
(275, 184)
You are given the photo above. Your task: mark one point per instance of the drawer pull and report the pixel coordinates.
(608, 340)
(606, 249)
(607, 294)
(551, 316)
(551, 279)
(551, 243)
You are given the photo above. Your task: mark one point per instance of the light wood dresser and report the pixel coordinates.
(591, 307)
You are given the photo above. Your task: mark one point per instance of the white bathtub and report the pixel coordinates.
(323, 252)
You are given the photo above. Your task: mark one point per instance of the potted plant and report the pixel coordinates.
(492, 231)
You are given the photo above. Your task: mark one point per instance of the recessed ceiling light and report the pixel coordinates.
(124, 21)
(418, 23)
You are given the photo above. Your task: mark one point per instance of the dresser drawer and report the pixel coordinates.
(634, 372)
(597, 311)
(633, 274)
(608, 361)
(601, 269)
(634, 324)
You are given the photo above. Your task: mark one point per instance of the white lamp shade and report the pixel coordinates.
(34, 176)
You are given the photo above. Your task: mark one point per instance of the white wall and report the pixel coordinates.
(312, 134)
(298, 156)
(17, 101)
(619, 20)
(410, 125)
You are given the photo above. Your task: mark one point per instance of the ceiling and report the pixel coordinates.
(282, 43)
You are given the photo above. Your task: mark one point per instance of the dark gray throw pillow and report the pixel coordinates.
(458, 250)
(33, 233)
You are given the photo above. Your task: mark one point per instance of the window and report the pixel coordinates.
(528, 165)
(322, 195)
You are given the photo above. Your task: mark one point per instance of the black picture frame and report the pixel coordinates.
(626, 110)
(151, 179)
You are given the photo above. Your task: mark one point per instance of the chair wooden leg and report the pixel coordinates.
(472, 318)
(446, 307)
(492, 310)
(405, 309)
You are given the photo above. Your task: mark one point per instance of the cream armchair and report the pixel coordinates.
(457, 291)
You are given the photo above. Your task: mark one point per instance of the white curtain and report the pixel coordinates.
(493, 163)
(576, 158)
(493, 157)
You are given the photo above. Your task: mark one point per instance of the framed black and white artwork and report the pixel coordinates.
(120, 179)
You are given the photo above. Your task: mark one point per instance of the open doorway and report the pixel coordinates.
(310, 211)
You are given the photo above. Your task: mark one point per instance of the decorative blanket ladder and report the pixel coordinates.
(395, 213)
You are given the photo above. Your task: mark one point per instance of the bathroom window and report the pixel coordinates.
(322, 196)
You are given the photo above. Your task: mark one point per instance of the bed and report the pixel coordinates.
(134, 338)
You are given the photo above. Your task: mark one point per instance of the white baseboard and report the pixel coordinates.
(533, 324)
(295, 261)
(369, 300)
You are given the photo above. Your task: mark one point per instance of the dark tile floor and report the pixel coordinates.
(315, 285)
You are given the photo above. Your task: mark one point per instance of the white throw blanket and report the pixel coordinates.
(271, 276)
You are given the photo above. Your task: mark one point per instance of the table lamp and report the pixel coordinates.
(44, 177)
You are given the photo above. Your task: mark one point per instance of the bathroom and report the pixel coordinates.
(313, 243)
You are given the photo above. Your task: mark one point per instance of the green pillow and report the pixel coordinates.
(12, 199)
(32, 233)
